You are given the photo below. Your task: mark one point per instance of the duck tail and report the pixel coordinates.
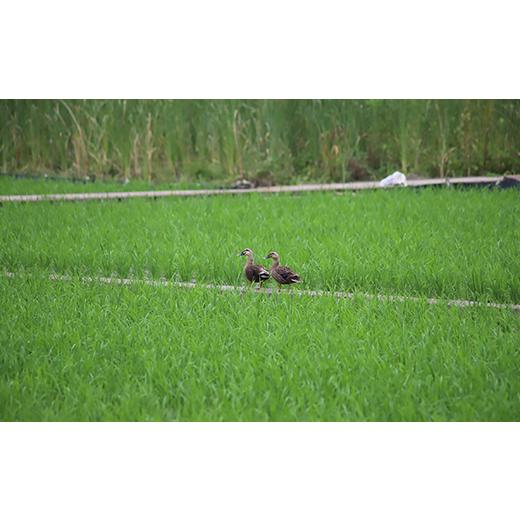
(264, 275)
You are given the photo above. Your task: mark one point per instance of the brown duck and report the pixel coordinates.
(254, 273)
(281, 273)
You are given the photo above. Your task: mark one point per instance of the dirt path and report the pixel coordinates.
(346, 186)
(272, 292)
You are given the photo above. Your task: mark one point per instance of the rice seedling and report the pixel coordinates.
(74, 351)
(438, 243)
(11, 185)
(71, 350)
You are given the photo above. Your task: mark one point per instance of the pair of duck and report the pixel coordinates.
(257, 273)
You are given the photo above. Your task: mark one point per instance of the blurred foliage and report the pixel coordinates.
(278, 140)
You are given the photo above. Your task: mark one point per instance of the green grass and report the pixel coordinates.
(76, 351)
(22, 186)
(444, 243)
(71, 351)
(209, 140)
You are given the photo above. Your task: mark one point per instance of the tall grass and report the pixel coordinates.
(283, 141)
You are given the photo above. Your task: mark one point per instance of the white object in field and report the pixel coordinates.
(396, 179)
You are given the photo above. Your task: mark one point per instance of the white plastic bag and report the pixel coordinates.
(396, 179)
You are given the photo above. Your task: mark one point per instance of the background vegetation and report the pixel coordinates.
(266, 140)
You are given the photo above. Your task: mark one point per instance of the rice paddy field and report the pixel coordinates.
(72, 350)
(25, 185)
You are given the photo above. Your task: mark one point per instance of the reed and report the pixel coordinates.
(269, 140)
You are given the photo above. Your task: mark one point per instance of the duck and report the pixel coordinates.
(281, 273)
(254, 273)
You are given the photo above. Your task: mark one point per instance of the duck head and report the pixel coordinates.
(246, 252)
(274, 255)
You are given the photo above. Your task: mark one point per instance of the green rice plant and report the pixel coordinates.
(440, 243)
(11, 185)
(75, 351)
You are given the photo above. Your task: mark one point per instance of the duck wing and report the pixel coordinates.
(288, 274)
(256, 273)
(263, 273)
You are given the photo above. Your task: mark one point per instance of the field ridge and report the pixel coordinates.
(111, 280)
(296, 188)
